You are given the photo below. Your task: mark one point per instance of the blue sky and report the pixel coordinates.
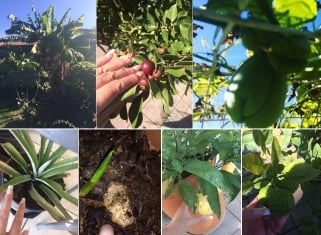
(21, 8)
(235, 55)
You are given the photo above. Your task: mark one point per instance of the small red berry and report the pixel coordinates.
(148, 67)
(143, 83)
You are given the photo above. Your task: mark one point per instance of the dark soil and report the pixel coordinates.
(129, 188)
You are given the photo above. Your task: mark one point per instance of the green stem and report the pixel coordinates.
(96, 176)
(211, 17)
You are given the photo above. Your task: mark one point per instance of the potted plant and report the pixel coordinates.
(192, 162)
(280, 163)
(37, 174)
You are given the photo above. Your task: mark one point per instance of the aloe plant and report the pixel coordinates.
(40, 169)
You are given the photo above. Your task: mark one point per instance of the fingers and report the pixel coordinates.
(18, 219)
(253, 204)
(25, 232)
(5, 210)
(106, 230)
(115, 63)
(114, 75)
(106, 94)
(104, 60)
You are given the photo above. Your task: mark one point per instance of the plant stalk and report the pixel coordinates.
(96, 176)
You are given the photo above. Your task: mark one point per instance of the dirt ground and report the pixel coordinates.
(128, 195)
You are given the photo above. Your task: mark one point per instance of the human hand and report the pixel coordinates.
(4, 215)
(106, 230)
(182, 220)
(254, 220)
(113, 78)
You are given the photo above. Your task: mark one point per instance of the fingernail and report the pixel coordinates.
(110, 52)
(10, 189)
(140, 74)
(137, 67)
(207, 218)
(23, 200)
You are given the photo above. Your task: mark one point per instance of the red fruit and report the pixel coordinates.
(143, 83)
(148, 67)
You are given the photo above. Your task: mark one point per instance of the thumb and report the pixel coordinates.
(106, 230)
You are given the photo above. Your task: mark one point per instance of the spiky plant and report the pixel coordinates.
(40, 170)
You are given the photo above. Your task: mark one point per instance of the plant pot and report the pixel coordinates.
(171, 204)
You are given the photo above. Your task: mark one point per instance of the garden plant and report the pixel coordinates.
(38, 174)
(212, 157)
(279, 163)
(47, 65)
(159, 36)
(278, 83)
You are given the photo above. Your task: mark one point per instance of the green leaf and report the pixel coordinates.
(205, 171)
(253, 163)
(5, 168)
(19, 179)
(44, 204)
(171, 13)
(261, 137)
(276, 151)
(52, 171)
(15, 155)
(188, 195)
(27, 148)
(247, 187)
(300, 171)
(179, 72)
(295, 13)
(53, 197)
(134, 113)
(56, 155)
(177, 165)
(59, 190)
(212, 195)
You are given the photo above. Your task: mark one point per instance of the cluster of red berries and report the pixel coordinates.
(148, 67)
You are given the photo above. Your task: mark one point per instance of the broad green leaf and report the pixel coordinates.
(295, 13)
(134, 113)
(204, 170)
(212, 195)
(253, 163)
(186, 31)
(247, 187)
(188, 194)
(300, 171)
(179, 72)
(177, 165)
(172, 13)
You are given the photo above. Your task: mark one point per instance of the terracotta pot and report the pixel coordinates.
(171, 204)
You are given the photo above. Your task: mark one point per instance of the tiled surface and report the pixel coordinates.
(153, 115)
(231, 224)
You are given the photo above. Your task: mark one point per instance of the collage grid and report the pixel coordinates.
(154, 117)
